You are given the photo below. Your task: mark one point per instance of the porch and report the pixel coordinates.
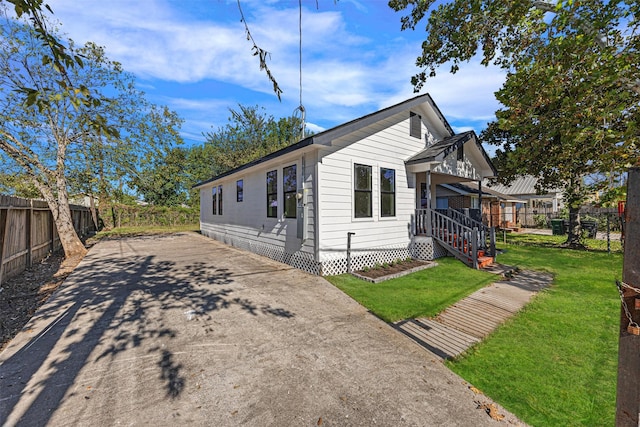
(462, 236)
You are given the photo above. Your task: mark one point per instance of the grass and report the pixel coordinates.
(596, 245)
(556, 362)
(144, 230)
(424, 293)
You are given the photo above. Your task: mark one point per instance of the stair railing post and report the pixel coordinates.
(428, 221)
(493, 242)
(474, 247)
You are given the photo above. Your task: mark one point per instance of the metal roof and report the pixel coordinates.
(520, 186)
(472, 188)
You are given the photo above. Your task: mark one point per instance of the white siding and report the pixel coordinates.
(247, 220)
(468, 168)
(386, 144)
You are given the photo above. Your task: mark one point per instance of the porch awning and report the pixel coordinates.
(469, 188)
(440, 149)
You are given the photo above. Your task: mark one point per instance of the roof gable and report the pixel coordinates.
(441, 149)
(422, 102)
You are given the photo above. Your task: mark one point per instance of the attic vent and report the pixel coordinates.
(415, 125)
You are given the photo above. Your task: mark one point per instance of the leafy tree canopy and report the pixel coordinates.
(249, 135)
(572, 90)
(54, 141)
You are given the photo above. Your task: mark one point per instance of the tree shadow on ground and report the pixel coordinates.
(113, 304)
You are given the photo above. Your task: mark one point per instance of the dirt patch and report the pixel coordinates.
(375, 273)
(22, 295)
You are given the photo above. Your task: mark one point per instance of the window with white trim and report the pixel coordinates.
(415, 125)
(289, 189)
(362, 191)
(239, 190)
(387, 192)
(214, 197)
(272, 194)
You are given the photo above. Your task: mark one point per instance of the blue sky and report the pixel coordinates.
(193, 55)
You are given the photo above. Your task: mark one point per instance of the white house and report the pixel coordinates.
(364, 182)
(533, 203)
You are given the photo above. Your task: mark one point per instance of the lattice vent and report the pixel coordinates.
(439, 251)
(337, 263)
(301, 260)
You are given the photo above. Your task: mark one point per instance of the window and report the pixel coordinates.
(461, 153)
(289, 188)
(214, 196)
(220, 200)
(239, 190)
(387, 192)
(475, 203)
(442, 202)
(362, 191)
(272, 194)
(415, 125)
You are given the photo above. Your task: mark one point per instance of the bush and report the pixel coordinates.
(136, 216)
(541, 221)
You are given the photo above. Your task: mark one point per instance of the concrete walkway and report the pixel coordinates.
(471, 319)
(183, 330)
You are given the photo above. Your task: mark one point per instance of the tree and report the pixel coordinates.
(164, 180)
(571, 94)
(249, 135)
(55, 140)
(18, 185)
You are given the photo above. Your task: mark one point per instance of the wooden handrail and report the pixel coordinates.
(461, 240)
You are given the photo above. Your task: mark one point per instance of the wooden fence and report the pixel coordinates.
(28, 233)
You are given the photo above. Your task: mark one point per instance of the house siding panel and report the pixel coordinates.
(245, 224)
(325, 172)
(369, 146)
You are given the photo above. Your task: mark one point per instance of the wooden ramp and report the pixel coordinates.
(471, 319)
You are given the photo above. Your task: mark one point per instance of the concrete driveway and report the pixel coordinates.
(181, 329)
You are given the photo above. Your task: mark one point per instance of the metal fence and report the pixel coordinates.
(28, 233)
(604, 218)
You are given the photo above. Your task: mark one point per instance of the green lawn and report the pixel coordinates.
(597, 245)
(553, 364)
(144, 230)
(556, 362)
(424, 293)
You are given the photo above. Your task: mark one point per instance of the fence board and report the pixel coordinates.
(28, 233)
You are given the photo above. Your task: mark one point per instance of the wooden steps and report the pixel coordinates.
(471, 319)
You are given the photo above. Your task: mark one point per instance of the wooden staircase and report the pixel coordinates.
(463, 237)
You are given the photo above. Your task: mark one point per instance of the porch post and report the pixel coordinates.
(480, 197)
(428, 187)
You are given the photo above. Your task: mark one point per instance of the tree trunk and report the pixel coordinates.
(574, 235)
(71, 244)
(574, 196)
(94, 212)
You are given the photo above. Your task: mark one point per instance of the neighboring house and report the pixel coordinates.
(359, 182)
(549, 203)
(498, 210)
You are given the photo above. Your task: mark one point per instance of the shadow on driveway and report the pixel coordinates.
(184, 330)
(113, 302)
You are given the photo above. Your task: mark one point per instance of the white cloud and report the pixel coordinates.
(351, 67)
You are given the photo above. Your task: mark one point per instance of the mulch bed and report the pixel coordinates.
(375, 273)
(22, 295)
